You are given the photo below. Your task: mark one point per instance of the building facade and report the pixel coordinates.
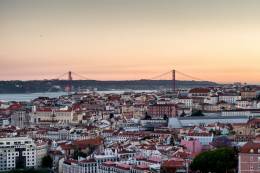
(20, 119)
(161, 110)
(17, 152)
(249, 158)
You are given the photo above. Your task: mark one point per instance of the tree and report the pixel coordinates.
(183, 114)
(147, 116)
(47, 162)
(165, 117)
(168, 169)
(221, 160)
(78, 153)
(221, 142)
(172, 140)
(30, 170)
(146, 137)
(258, 98)
(111, 115)
(197, 113)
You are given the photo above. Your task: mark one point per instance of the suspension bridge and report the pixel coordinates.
(170, 75)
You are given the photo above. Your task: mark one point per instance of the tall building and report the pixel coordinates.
(41, 152)
(248, 94)
(161, 110)
(17, 152)
(20, 118)
(249, 158)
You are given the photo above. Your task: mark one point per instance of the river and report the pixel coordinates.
(31, 96)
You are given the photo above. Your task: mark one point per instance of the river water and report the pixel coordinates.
(31, 96)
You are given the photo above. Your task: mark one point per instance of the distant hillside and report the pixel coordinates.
(59, 85)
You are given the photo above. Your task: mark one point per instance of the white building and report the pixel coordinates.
(83, 166)
(17, 152)
(62, 134)
(211, 100)
(244, 104)
(196, 121)
(60, 116)
(188, 102)
(204, 139)
(245, 112)
(108, 155)
(4, 122)
(229, 98)
(89, 165)
(20, 119)
(41, 152)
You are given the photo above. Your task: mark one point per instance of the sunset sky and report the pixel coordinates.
(217, 40)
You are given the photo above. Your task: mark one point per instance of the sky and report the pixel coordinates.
(214, 40)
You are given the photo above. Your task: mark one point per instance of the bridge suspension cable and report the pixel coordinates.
(177, 72)
(81, 76)
(62, 75)
(170, 74)
(157, 77)
(189, 76)
(160, 75)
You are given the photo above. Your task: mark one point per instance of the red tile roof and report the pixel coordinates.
(199, 90)
(85, 143)
(141, 167)
(251, 147)
(174, 163)
(109, 163)
(88, 161)
(123, 166)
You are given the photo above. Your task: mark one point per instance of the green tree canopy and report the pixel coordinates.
(221, 160)
(197, 113)
(47, 162)
(29, 171)
(77, 153)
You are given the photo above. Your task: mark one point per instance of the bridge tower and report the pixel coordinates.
(173, 81)
(69, 85)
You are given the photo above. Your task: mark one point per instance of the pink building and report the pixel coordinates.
(199, 92)
(160, 110)
(249, 158)
(192, 145)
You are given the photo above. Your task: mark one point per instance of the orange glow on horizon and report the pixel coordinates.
(216, 41)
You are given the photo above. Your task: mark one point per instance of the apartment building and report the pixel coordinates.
(17, 152)
(249, 158)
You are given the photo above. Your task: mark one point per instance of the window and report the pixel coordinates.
(251, 158)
